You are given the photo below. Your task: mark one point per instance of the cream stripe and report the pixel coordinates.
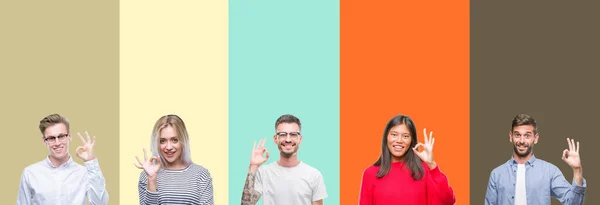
(173, 59)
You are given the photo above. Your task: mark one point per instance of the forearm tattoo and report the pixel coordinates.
(250, 196)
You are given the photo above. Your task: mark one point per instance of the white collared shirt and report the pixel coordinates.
(68, 184)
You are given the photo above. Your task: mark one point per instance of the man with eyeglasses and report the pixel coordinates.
(526, 180)
(287, 181)
(57, 179)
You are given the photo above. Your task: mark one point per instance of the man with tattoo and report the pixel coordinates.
(287, 181)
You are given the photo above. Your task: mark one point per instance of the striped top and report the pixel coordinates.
(192, 185)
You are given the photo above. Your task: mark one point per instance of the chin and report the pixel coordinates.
(171, 160)
(60, 156)
(399, 154)
(288, 154)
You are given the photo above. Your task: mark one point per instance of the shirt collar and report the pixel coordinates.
(49, 163)
(529, 162)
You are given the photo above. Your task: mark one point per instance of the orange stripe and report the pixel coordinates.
(408, 57)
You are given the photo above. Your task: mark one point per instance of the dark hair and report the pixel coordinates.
(412, 161)
(287, 118)
(524, 119)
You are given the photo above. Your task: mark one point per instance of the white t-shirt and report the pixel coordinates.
(298, 185)
(520, 187)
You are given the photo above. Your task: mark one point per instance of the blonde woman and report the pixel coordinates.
(170, 176)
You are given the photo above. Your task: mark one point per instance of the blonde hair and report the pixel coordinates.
(177, 124)
(52, 120)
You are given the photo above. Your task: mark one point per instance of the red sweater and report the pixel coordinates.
(398, 187)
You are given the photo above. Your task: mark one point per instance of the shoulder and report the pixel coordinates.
(307, 168)
(30, 170)
(310, 173)
(267, 167)
(369, 174)
(500, 170)
(35, 167)
(198, 168)
(199, 171)
(545, 165)
(78, 166)
(371, 171)
(542, 162)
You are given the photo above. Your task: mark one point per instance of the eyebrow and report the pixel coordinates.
(517, 132)
(402, 133)
(57, 135)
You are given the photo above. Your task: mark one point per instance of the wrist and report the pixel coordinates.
(578, 176)
(253, 168)
(431, 165)
(152, 177)
(578, 171)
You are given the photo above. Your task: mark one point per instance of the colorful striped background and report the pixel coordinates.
(462, 69)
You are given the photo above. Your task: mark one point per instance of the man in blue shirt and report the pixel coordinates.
(525, 179)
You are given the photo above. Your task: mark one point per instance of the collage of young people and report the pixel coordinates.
(402, 174)
(310, 102)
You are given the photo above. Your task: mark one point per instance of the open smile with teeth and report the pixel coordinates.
(169, 154)
(398, 147)
(522, 147)
(58, 149)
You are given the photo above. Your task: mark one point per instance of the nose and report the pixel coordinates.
(169, 145)
(56, 142)
(287, 137)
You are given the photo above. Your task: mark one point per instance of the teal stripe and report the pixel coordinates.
(284, 58)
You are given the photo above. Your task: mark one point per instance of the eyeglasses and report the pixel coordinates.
(61, 138)
(293, 135)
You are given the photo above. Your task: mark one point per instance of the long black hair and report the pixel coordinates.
(412, 161)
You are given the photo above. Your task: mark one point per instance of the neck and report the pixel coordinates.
(288, 161)
(58, 162)
(397, 159)
(523, 159)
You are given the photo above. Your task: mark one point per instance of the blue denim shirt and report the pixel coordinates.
(542, 180)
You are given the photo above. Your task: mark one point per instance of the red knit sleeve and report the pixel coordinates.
(439, 191)
(366, 186)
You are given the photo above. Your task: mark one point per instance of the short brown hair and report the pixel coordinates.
(524, 119)
(52, 120)
(287, 118)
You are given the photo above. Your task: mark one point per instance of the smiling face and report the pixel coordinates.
(170, 147)
(56, 137)
(399, 140)
(523, 138)
(288, 139)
